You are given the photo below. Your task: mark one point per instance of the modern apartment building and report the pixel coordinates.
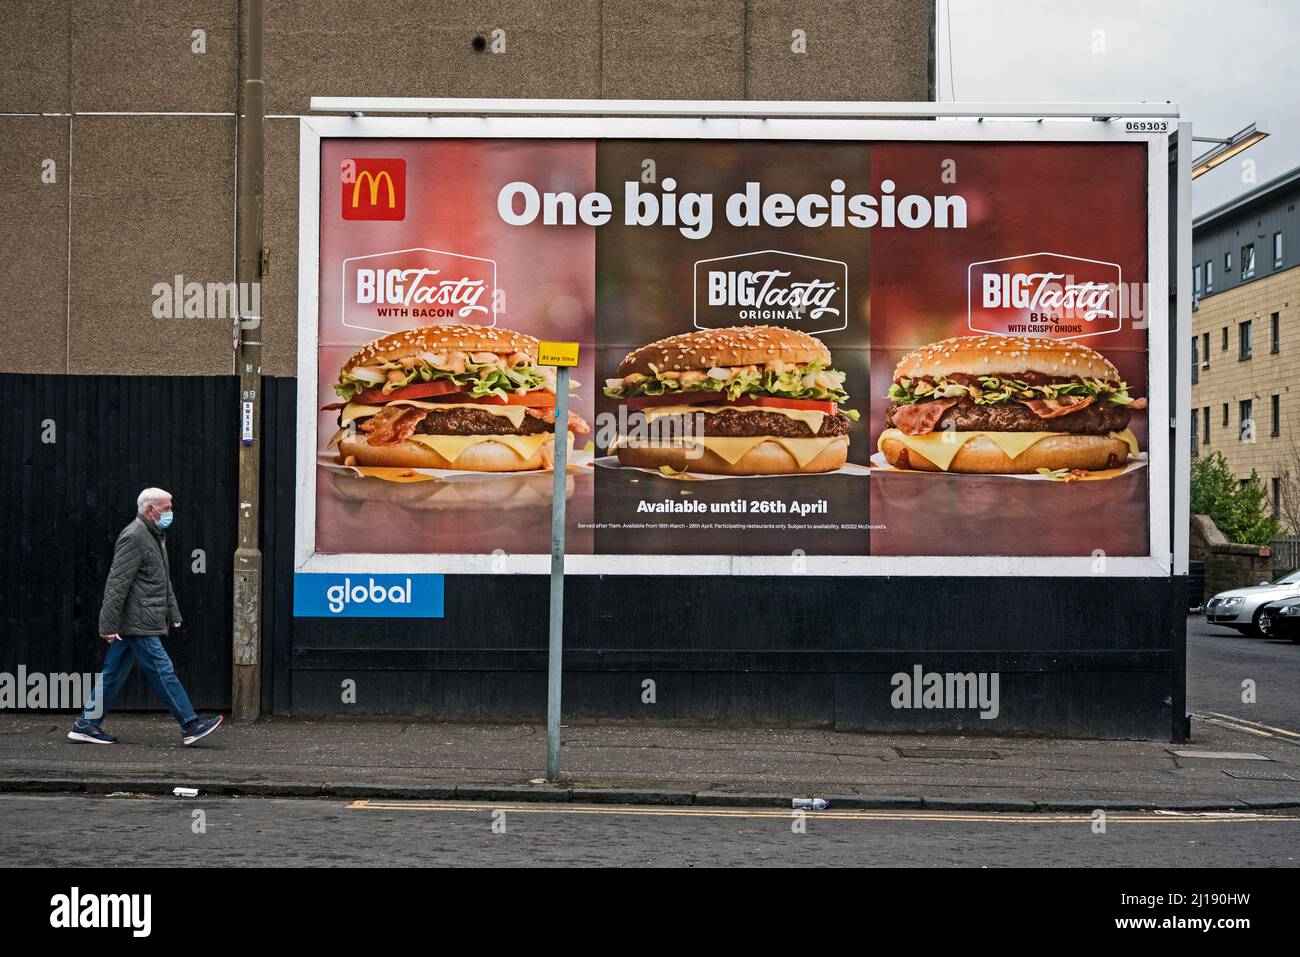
(1246, 347)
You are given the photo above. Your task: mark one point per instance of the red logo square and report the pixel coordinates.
(374, 188)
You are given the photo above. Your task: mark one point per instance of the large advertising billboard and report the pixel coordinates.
(829, 347)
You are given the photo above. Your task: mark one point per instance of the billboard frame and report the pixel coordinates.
(1164, 489)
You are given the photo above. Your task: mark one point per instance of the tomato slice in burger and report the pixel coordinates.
(545, 400)
(772, 402)
(448, 392)
(704, 398)
(421, 390)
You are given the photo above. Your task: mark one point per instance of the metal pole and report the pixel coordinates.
(555, 657)
(246, 674)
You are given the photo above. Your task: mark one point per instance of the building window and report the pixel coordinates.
(1205, 352)
(1196, 359)
(1195, 440)
(1209, 275)
(1196, 281)
(1227, 262)
(1275, 328)
(1225, 415)
(1243, 340)
(1247, 431)
(1277, 415)
(1277, 496)
(1248, 261)
(1205, 432)
(1277, 250)
(1225, 338)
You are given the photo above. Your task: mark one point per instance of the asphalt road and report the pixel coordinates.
(1219, 660)
(73, 830)
(78, 830)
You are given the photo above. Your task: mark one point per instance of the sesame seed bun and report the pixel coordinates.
(1004, 355)
(731, 346)
(449, 337)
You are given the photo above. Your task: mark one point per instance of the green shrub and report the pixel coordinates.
(1241, 510)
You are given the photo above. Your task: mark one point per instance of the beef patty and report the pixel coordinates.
(475, 422)
(738, 423)
(1098, 418)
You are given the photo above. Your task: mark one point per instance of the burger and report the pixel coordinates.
(448, 397)
(749, 400)
(1007, 404)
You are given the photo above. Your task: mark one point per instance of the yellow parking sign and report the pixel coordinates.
(557, 353)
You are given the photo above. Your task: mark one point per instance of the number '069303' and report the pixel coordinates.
(1146, 126)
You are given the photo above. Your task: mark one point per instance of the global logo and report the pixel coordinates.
(384, 292)
(769, 287)
(345, 593)
(1051, 295)
(317, 595)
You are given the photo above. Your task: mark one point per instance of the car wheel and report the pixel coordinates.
(1254, 630)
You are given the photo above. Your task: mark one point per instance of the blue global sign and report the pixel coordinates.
(367, 596)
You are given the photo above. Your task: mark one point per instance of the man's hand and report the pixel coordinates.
(176, 624)
(111, 638)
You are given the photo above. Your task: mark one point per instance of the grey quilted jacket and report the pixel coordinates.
(138, 596)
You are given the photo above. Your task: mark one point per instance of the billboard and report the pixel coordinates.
(831, 347)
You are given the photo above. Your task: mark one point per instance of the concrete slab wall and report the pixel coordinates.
(135, 198)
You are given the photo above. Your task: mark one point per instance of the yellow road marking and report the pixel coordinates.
(631, 810)
(1254, 724)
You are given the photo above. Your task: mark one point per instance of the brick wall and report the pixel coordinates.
(1227, 564)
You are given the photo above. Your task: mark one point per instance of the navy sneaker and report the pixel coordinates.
(199, 728)
(90, 733)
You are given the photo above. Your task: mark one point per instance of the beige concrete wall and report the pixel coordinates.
(1230, 379)
(137, 199)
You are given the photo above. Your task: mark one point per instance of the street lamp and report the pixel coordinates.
(1225, 150)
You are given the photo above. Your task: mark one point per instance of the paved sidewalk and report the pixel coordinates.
(649, 764)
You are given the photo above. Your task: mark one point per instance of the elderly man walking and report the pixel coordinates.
(138, 605)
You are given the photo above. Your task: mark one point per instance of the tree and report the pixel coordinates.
(1239, 508)
(1289, 490)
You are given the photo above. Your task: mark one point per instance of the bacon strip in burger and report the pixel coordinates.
(450, 396)
(1007, 404)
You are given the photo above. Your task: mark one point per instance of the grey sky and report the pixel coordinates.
(1226, 63)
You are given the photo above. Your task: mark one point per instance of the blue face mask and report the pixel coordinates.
(165, 520)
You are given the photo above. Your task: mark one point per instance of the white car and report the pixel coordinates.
(1240, 607)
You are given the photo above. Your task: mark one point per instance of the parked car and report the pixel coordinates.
(1281, 619)
(1240, 608)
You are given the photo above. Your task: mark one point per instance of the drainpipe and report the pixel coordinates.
(246, 678)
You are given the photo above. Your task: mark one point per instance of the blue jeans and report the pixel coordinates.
(119, 661)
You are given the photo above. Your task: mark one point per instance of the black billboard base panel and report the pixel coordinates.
(974, 656)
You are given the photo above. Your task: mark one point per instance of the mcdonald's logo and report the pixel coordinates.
(374, 188)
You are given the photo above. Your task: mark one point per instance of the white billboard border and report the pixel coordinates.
(312, 129)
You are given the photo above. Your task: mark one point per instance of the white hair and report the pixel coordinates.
(148, 497)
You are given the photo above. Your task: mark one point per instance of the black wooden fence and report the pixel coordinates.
(76, 451)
